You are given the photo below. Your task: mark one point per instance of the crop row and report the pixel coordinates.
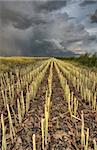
(79, 88)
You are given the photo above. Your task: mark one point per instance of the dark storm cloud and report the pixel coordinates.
(40, 28)
(88, 2)
(94, 17)
(19, 20)
(92, 38)
(50, 5)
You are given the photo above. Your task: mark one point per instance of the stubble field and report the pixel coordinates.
(47, 104)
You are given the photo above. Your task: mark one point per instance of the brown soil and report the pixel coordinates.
(31, 122)
(64, 131)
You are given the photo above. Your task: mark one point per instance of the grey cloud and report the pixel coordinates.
(92, 38)
(67, 33)
(48, 48)
(88, 2)
(73, 41)
(50, 5)
(31, 31)
(20, 21)
(94, 17)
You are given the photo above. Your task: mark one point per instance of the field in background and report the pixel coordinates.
(12, 63)
(48, 103)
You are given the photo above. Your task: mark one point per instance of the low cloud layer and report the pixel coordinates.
(43, 28)
(94, 17)
(88, 2)
(50, 5)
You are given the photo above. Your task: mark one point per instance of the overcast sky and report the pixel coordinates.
(45, 27)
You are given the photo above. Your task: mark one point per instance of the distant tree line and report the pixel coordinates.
(85, 59)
